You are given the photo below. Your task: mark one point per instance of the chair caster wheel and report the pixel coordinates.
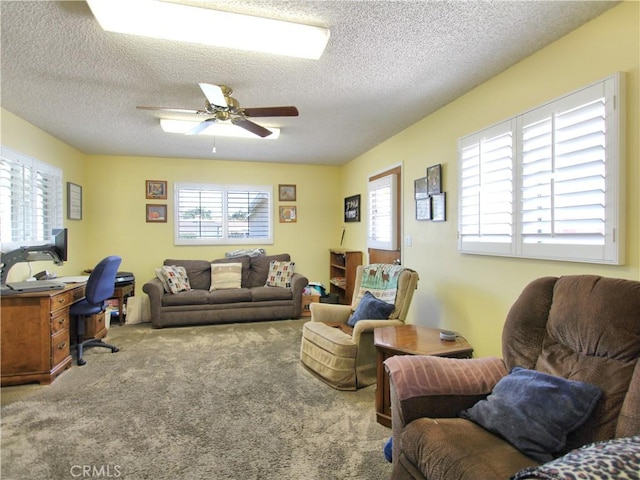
(115, 349)
(81, 362)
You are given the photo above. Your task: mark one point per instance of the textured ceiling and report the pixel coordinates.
(387, 65)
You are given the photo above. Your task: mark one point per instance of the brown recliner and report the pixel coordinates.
(582, 327)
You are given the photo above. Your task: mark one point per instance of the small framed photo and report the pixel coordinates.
(420, 188)
(352, 209)
(287, 193)
(434, 179)
(156, 213)
(74, 201)
(423, 208)
(439, 207)
(288, 214)
(156, 189)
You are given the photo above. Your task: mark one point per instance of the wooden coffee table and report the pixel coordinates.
(409, 340)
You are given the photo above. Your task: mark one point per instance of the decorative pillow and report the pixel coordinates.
(535, 411)
(160, 277)
(280, 274)
(370, 308)
(612, 459)
(225, 275)
(176, 278)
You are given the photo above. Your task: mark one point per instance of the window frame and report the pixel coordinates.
(225, 238)
(611, 251)
(36, 221)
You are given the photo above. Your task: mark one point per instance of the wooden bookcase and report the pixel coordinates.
(342, 273)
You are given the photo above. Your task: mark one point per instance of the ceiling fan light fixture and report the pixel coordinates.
(172, 21)
(216, 129)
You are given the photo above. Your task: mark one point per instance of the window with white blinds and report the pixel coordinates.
(382, 213)
(546, 184)
(31, 200)
(208, 214)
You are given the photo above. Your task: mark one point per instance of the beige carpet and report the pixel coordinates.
(208, 402)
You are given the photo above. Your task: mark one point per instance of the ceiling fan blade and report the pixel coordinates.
(214, 94)
(271, 112)
(252, 127)
(169, 109)
(201, 126)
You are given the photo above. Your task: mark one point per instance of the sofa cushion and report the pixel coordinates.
(175, 278)
(198, 272)
(613, 459)
(535, 411)
(160, 277)
(264, 294)
(191, 297)
(280, 274)
(229, 295)
(259, 269)
(245, 260)
(226, 275)
(370, 308)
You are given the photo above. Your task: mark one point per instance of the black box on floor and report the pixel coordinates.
(330, 298)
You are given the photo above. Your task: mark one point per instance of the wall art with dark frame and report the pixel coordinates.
(439, 207)
(434, 179)
(352, 209)
(74, 201)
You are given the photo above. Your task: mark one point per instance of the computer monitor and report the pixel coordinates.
(59, 241)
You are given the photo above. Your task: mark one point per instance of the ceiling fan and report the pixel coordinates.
(221, 106)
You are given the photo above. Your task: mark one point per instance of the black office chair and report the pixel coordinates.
(100, 287)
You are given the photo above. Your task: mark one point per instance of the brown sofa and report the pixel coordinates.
(584, 328)
(252, 302)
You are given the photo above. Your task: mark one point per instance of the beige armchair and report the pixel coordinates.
(343, 358)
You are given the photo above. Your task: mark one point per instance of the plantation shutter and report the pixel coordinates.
(382, 219)
(546, 184)
(31, 200)
(564, 177)
(486, 190)
(222, 214)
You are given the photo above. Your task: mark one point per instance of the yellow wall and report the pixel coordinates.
(29, 140)
(115, 198)
(472, 294)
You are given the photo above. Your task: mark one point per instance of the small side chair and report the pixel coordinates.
(100, 287)
(345, 358)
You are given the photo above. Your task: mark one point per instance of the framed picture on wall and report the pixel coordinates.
(156, 213)
(423, 208)
(74, 201)
(287, 193)
(156, 189)
(438, 207)
(288, 214)
(420, 188)
(352, 209)
(434, 179)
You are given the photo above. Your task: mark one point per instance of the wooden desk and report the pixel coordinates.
(35, 334)
(409, 340)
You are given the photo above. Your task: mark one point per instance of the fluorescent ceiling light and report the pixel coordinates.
(216, 129)
(171, 21)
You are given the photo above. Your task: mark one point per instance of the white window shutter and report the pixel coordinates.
(381, 232)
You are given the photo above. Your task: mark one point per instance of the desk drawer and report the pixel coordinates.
(60, 321)
(59, 346)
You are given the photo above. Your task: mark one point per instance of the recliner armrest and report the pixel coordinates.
(154, 289)
(429, 386)
(363, 326)
(330, 312)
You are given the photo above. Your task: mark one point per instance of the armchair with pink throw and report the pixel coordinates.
(569, 376)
